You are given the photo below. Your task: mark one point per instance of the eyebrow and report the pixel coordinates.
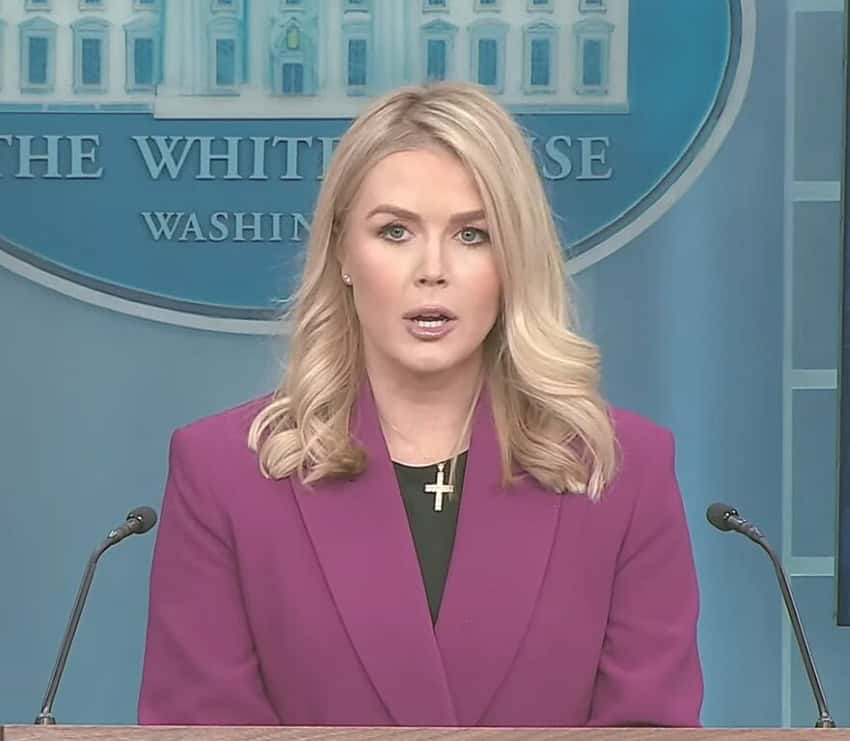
(461, 217)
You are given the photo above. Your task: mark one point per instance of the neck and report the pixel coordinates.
(426, 419)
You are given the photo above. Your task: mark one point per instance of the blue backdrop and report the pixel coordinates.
(696, 318)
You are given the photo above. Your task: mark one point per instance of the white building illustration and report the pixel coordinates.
(307, 58)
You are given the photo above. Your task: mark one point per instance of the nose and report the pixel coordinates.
(431, 280)
(431, 270)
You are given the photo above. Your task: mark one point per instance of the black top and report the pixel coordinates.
(433, 532)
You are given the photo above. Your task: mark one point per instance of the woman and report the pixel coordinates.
(436, 519)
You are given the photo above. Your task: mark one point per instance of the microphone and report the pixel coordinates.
(725, 517)
(138, 521)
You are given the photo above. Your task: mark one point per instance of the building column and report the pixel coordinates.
(391, 36)
(258, 38)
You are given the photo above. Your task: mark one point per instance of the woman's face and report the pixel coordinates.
(422, 268)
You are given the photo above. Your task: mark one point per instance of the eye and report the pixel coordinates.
(470, 235)
(394, 232)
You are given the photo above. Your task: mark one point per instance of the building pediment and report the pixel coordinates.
(91, 24)
(142, 23)
(491, 25)
(541, 26)
(38, 24)
(224, 23)
(439, 26)
(594, 25)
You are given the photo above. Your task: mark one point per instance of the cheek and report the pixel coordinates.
(489, 292)
(376, 295)
(370, 283)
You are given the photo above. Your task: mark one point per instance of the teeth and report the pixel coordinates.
(429, 324)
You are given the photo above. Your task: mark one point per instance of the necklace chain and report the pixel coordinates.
(458, 445)
(428, 458)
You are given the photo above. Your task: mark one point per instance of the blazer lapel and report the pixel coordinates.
(362, 538)
(501, 550)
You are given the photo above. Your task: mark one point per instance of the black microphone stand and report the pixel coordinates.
(45, 717)
(725, 517)
(139, 520)
(824, 718)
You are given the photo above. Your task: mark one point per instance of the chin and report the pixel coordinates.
(426, 367)
(432, 362)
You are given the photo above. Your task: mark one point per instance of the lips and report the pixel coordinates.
(430, 321)
(430, 313)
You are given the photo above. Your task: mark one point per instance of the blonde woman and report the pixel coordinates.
(435, 520)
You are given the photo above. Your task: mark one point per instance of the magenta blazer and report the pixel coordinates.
(271, 604)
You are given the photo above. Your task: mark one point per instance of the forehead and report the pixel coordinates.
(432, 173)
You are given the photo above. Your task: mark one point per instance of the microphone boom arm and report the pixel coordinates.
(139, 520)
(824, 718)
(726, 518)
(45, 717)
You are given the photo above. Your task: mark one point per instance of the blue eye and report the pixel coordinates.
(470, 235)
(394, 232)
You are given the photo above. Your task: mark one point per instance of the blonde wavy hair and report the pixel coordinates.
(543, 378)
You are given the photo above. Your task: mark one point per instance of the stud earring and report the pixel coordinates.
(346, 278)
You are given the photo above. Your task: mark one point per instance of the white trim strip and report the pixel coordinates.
(826, 380)
(807, 191)
(812, 566)
(817, 6)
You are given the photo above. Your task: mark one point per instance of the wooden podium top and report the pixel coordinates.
(289, 733)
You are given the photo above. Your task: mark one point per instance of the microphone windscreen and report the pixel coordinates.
(146, 516)
(718, 515)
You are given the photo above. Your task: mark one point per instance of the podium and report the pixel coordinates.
(292, 733)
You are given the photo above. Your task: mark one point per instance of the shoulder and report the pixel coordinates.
(218, 440)
(640, 439)
(646, 460)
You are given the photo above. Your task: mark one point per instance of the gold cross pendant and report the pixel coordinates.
(439, 488)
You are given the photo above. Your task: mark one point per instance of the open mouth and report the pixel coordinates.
(430, 321)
